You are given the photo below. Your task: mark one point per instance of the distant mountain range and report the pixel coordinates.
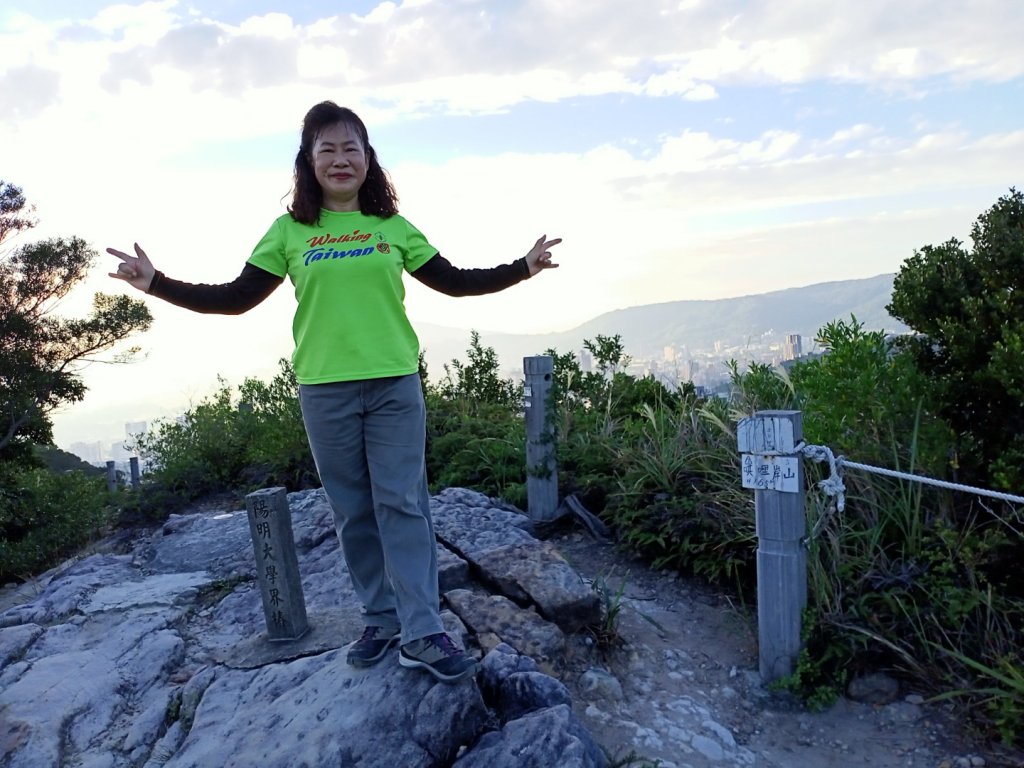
(697, 325)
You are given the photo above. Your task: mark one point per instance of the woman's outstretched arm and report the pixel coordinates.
(439, 274)
(243, 293)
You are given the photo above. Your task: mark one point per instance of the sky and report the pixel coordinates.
(683, 149)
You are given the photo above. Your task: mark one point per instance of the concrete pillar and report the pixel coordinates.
(541, 471)
(772, 467)
(111, 477)
(133, 464)
(277, 566)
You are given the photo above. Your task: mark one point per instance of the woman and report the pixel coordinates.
(344, 247)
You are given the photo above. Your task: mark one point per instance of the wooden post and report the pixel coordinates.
(541, 472)
(277, 565)
(772, 467)
(111, 477)
(133, 464)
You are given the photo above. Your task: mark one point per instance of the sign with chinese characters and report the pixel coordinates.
(277, 566)
(770, 473)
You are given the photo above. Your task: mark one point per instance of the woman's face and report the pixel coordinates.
(339, 161)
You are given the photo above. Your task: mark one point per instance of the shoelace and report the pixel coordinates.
(442, 641)
(369, 634)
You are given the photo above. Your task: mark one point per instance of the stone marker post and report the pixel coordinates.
(111, 477)
(541, 472)
(771, 466)
(277, 565)
(133, 464)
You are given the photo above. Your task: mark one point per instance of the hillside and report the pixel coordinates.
(647, 330)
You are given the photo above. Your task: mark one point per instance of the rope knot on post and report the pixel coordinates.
(833, 484)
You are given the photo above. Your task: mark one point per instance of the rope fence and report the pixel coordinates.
(772, 450)
(833, 485)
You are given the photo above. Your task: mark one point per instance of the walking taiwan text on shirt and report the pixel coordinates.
(326, 246)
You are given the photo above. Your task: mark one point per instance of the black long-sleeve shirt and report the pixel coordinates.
(254, 285)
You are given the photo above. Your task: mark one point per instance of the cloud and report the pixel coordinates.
(857, 132)
(704, 216)
(699, 174)
(26, 92)
(78, 33)
(136, 24)
(675, 83)
(470, 56)
(867, 42)
(214, 59)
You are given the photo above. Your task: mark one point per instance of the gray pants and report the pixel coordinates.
(368, 442)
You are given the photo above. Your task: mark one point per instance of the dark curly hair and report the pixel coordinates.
(377, 196)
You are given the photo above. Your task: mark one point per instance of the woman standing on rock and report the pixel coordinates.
(344, 247)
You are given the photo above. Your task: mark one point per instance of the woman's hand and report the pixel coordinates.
(135, 270)
(539, 257)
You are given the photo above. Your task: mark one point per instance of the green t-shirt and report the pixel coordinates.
(350, 322)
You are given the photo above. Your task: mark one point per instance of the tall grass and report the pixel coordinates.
(907, 578)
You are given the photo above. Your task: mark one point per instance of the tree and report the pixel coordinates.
(14, 216)
(968, 309)
(41, 354)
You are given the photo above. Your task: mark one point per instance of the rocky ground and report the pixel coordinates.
(134, 655)
(689, 661)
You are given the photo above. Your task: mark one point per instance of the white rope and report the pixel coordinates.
(931, 481)
(833, 484)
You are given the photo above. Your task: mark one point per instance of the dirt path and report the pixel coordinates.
(684, 689)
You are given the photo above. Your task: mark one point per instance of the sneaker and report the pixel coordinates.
(371, 647)
(439, 656)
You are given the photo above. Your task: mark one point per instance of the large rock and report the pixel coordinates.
(66, 591)
(520, 628)
(468, 527)
(14, 641)
(513, 685)
(452, 570)
(319, 711)
(550, 737)
(534, 573)
(499, 544)
(226, 548)
(159, 658)
(91, 688)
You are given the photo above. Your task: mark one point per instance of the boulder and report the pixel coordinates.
(159, 657)
(535, 573)
(550, 737)
(520, 628)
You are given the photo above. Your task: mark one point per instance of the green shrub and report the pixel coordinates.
(45, 517)
(968, 310)
(589, 413)
(867, 399)
(669, 505)
(201, 452)
(678, 471)
(476, 437)
(478, 381)
(225, 443)
(476, 445)
(277, 452)
(906, 577)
